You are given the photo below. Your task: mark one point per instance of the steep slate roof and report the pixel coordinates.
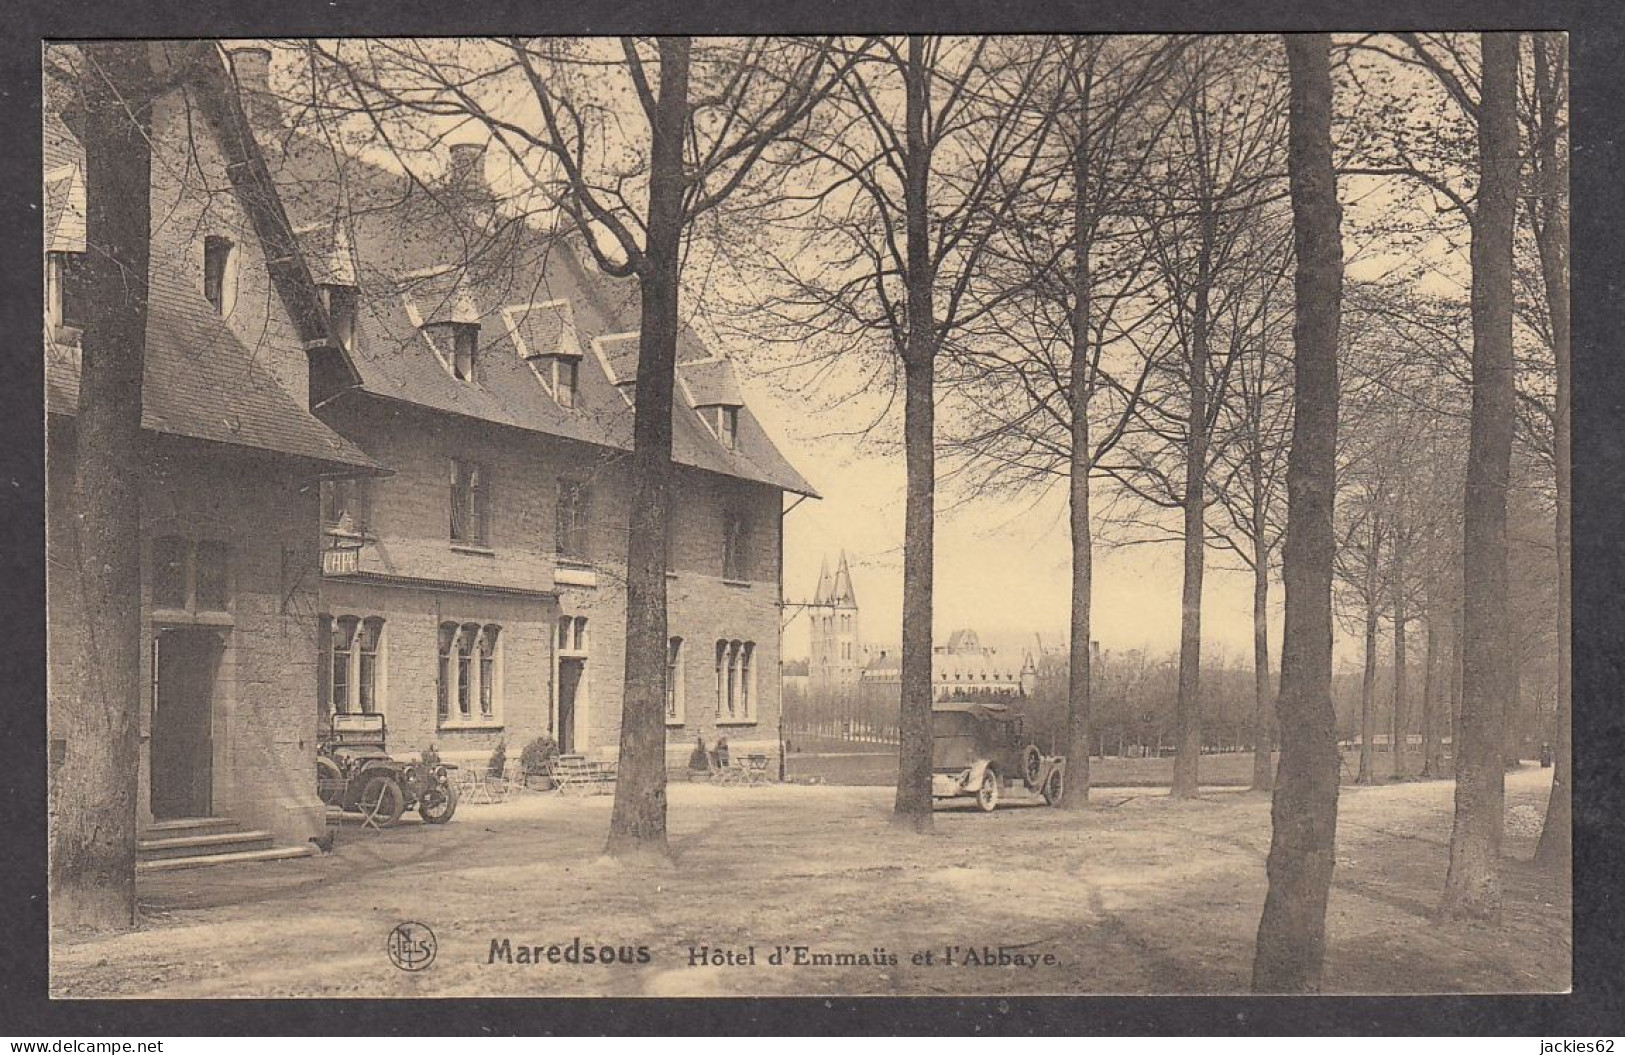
(200, 381)
(402, 232)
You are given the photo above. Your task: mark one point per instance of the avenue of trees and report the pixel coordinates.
(1295, 305)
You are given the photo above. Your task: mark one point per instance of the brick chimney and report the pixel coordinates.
(251, 68)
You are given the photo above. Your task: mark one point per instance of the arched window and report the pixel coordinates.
(488, 678)
(747, 680)
(372, 629)
(448, 638)
(344, 630)
(722, 678)
(466, 636)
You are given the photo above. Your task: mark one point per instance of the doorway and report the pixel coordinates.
(182, 745)
(570, 672)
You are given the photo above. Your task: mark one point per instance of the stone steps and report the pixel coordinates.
(275, 853)
(197, 842)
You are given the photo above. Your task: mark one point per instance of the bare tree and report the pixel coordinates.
(933, 138)
(1291, 945)
(1051, 377)
(1217, 172)
(1251, 459)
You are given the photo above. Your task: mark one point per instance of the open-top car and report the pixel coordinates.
(355, 772)
(978, 749)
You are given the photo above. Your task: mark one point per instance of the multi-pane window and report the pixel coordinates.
(574, 508)
(674, 681)
(470, 502)
(470, 679)
(448, 636)
(343, 645)
(345, 504)
(465, 670)
(372, 628)
(573, 634)
(736, 681)
(735, 535)
(488, 680)
(217, 272)
(352, 664)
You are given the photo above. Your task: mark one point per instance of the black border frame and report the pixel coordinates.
(1596, 1007)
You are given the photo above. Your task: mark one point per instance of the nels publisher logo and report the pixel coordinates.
(411, 946)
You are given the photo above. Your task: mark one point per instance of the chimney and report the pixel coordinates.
(251, 68)
(467, 164)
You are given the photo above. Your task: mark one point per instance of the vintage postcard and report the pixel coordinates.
(808, 516)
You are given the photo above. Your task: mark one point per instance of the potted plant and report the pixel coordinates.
(498, 761)
(534, 761)
(697, 762)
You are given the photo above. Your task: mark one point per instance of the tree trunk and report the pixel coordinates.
(1188, 705)
(1399, 724)
(1263, 767)
(93, 793)
(1292, 930)
(1552, 241)
(1430, 703)
(1473, 884)
(1368, 683)
(913, 803)
(637, 823)
(1080, 684)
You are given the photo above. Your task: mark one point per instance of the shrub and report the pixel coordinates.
(499, 759)
(696, 758)
(537, 754)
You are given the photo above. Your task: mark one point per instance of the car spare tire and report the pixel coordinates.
(1032, 766)
(438, 804)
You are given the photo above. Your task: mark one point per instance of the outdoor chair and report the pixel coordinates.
(721, 772)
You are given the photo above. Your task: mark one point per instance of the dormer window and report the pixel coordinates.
(458, 344)
(343, 306)
(566, 375)
(728, 427)
(217, 273)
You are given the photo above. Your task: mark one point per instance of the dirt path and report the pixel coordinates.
(1144, 894)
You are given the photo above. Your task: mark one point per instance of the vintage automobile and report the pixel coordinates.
(355, 772)
(978, 750)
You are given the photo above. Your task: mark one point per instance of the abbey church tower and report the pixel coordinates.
(837, 654)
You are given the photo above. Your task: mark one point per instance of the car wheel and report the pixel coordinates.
(329, 781)
(987, 796)
(1032, 764)
(438, 804)
(382, 801)
(1052, 789)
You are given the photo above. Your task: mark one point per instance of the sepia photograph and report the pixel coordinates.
(808, 516)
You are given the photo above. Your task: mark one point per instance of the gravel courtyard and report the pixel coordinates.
(1142, 894)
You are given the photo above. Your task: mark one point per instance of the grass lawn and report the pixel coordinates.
(1141, 894)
